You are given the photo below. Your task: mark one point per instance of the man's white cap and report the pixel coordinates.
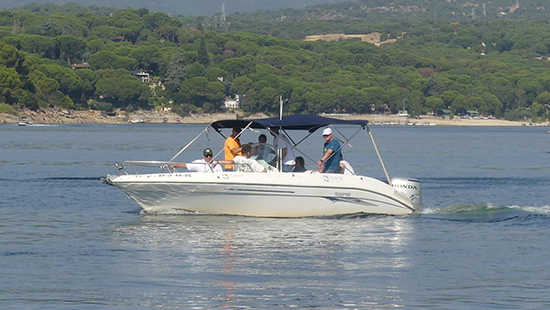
(327, 132)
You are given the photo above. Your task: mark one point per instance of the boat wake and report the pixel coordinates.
(164, 212)
(463, 183)
(71, 179)
(484, 208)
(38, 125)
(52, 179)
(489, 213)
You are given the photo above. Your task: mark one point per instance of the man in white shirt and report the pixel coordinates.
(201, 165)
(283, 148)
(245, 163)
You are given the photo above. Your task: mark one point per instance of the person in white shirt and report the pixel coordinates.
(245, 163)
(283, 149)
(346, 168)
(201, 165)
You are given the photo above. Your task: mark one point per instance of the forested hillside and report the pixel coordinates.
(497, 66)
(376, 10)
(381, 15)
(175, 7)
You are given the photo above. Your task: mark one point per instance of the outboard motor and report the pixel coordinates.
(411, 188)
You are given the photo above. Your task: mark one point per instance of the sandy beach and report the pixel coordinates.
(432, 121)
(65, 116)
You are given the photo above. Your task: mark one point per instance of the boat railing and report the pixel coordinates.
(134, 165)
(139, 167)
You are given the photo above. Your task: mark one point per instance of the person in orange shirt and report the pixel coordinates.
(232, 146)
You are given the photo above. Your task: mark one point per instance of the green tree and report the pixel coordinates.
(415, 104)
(491, 105)
(240, 66)
(242, 84)
(544, 98)
(169, 32)
(149, 57)
(267, 100)
(355, 100)
(50, 29)
(10, 56)
(375, 100)
(195, 70)
(123, 92)
(538, 109)
(95, 45)
(504, 90)
(43, 46)
(435, 104)
(156, 20)
(47, 92)
(103, 60)
(459, 104)
(215, 73)
(10, 85)
(475, 102)
(175, 73)
(66, 77)
(530, 87)
(448, 97)
(203, 57)
(87, 83)
(215, 92)
(71, 47)
(107, 32)
(437, 85)
(193, 90)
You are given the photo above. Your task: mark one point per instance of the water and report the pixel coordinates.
(70, 242)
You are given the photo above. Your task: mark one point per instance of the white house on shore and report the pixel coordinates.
(230, 103)
(144, 76)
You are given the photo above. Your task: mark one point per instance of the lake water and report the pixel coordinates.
(480, 242)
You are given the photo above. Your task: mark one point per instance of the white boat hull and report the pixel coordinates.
(264, 194)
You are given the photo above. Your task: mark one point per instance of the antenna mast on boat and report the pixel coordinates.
(279, 150)
(280, 108)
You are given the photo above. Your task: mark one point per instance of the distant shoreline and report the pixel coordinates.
(65, 116)
(375, 119)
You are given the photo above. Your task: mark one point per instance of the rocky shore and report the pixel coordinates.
(65, 116)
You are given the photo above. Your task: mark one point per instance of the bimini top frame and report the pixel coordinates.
(307, 122)
(292, 122)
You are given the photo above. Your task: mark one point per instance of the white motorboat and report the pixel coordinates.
(137, 121)
(25, 122)
(272, 194)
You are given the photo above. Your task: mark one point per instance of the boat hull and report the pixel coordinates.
(264, 194)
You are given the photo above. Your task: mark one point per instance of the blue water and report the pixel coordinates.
(480, 242)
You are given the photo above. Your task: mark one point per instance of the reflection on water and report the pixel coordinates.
(288, 262)
(228, 251)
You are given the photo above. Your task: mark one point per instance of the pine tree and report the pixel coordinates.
(203, 54)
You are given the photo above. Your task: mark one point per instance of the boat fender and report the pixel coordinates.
(411, 188)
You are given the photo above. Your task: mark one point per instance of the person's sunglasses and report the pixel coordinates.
(209, 155)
